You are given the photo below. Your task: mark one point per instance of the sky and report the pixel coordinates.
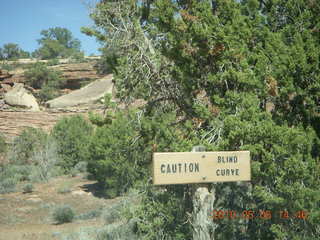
(21, 21)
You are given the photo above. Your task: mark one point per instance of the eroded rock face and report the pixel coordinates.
(76, 74)
(4, 74)
(18, 96)
(12, 123)
(5, 87)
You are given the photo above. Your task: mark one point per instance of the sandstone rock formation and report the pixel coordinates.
(86, 95)
(5, 87)
(18, 96)
(4, 74)
(77, 73)
(12, 123)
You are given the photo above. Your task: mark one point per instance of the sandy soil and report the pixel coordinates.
(28, 215)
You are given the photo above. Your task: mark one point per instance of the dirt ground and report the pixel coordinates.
(29, 215)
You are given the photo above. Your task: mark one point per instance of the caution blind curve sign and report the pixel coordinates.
(201, 167)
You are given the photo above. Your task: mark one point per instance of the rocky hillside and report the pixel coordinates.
(13, 120)
(76, 74)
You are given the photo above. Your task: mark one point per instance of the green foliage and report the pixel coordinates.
(114, 158)
(64, 188)
(3, 145)
(208, 71)
(77, 57)
(81, 167)
(280, 155)
(58, 42)
(46, 160)
(118, 231)
(12, 51)
(48, 80)
(63, 214)
(113, 213)
(27, 188)
(24, 145)
(17, 172)
(90, 214)
(161, 213)
(6, 66)
(33, 156)
(73, 136)
(39, 75)
(8, 185)
(53, 61)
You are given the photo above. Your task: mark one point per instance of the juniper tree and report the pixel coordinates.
(233, 75)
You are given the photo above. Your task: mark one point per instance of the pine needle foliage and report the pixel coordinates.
(232, 75)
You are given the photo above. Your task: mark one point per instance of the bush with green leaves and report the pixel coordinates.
(39, 76)
(8, 185)
(64, 188)
(239, 75)
(81, 167)
(161, 214)
(115, 159)
(27, 188)
(33, 156)
(73, 136)
(118, 231)
(57, 42)
(53, 62)
(19, 172)
(63, 214)
(3, 145)
(25, 144)
(90, 214)
(46, 161)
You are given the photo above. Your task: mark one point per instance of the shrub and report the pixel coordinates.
(65, 188)
(162, 214)
(91, 214)
(33, 155)
(45, 159)
(27, 188)
(8, 185)
(39, 76)
(112, 213)
(47, 93)
(24, 146)
(81, 167)
(63, 214)
(118, 231)
(3, 145)
(53, 62)
(7, 66)
(77, 57)
(19, 172)
(116, 158)
(72, 135)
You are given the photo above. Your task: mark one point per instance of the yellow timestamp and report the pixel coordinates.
(260, 214)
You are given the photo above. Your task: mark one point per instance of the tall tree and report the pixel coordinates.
(237, 75)
(57, 42)
(1, 54)
(12, 51)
